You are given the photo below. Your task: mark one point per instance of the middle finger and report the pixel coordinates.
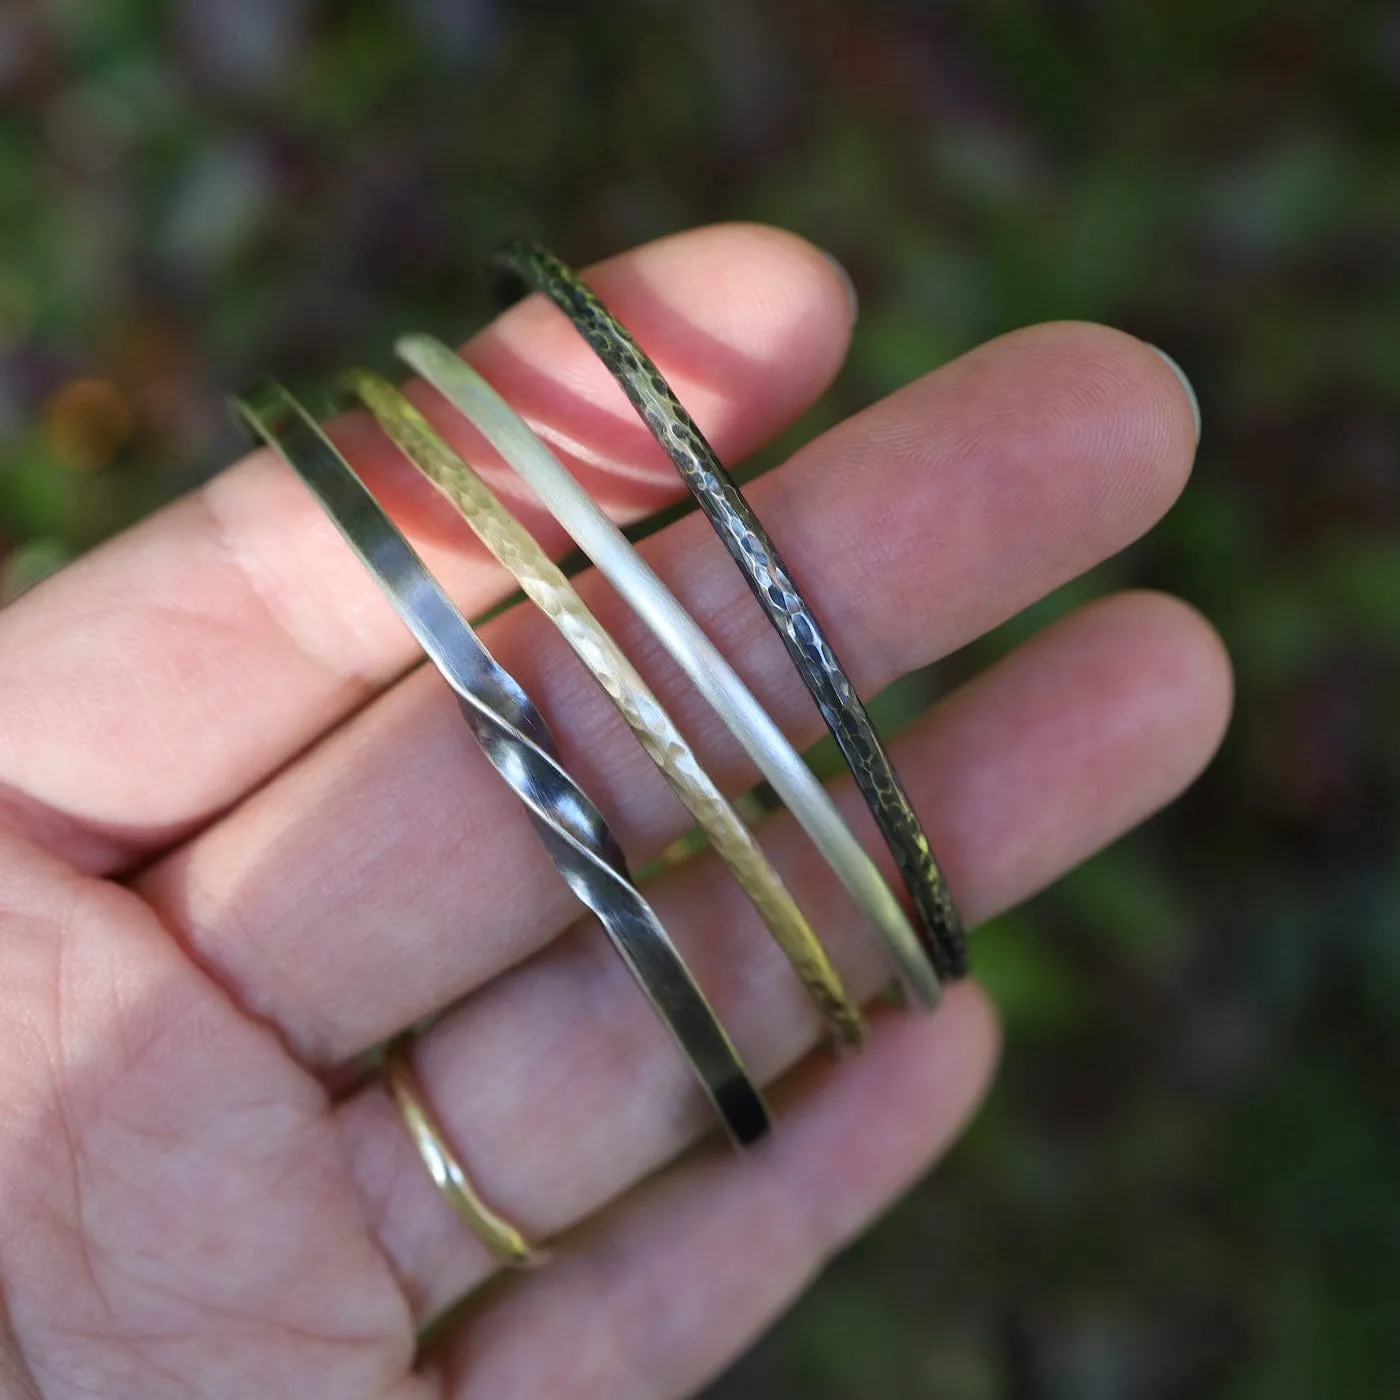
(388, 872)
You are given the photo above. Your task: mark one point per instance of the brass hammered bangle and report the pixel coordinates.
(943, 936)
(546, 586)
(687, 644)
(504, 1241)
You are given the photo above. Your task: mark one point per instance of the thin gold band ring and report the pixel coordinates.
(504, 1241)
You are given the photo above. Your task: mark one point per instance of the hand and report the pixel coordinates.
(242, 841)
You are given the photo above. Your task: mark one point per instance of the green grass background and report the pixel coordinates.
(1187, 1182)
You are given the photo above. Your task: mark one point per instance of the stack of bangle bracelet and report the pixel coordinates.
(516, 739)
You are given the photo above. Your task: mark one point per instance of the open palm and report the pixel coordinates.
(242, 841)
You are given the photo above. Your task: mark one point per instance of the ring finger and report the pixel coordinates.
(561, 1091)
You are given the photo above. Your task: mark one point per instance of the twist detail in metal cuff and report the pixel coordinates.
(516, 741)
(547, 587)
(683, 638)
(504, 1241)
(768, 577)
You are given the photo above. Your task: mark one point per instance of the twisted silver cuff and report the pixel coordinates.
(514, 737)
(762, 566)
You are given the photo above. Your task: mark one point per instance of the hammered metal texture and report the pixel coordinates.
(517, 742)
(547, 587)
(768, 577)
(686, 642)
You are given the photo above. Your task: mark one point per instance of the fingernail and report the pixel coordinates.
(852, 295)
(1180, 373)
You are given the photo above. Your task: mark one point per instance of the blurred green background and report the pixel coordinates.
(1187, 1182)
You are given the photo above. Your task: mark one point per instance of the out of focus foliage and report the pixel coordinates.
(1188, 1181)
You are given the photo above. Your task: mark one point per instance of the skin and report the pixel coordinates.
(242, 840)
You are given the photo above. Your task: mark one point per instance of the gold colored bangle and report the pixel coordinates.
(504, 1241)
(547, 587)
(686, 642)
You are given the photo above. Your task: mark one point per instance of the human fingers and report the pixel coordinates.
(389, 871)
(561, 1091)
(653, 1297)
(238, 613)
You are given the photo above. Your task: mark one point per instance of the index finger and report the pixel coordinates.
(157, 681)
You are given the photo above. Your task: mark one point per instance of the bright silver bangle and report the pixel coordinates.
(687, 644)
(545, 584)
(514, 737)
(772, 585)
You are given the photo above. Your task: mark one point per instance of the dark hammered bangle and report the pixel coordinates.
(514, 737)
(943, 935)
